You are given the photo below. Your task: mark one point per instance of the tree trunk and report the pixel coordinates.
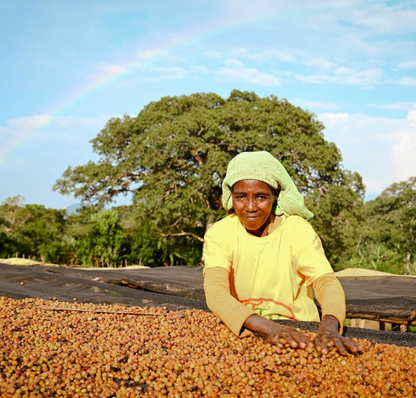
(209, 224)
(407, 270)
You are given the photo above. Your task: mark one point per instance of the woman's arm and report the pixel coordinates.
(310, 260)
(238, 317)
(331, 296)
(221, 302)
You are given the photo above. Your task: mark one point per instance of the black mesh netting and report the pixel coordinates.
(377, 336)
(48, 282)
(178, 288)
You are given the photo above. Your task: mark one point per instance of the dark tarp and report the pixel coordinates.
(65, 284)
(379, 297)
(182, 287)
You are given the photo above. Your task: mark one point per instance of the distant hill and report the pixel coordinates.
(73, 208)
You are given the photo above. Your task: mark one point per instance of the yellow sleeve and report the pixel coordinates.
(221, 302)
(216, 250)
(331, 296)
(309, 256)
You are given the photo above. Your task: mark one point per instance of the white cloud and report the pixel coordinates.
(200, 69)
(381, 149)
(246, 10)
(343, 75)
(334, 116)
(18, 131)
(407, 65)
(331, 4)
(36, 150)
(285, 73)
(366, 77)
(314, 104)
(236, 71)
(403, 81)
(48, 129)
(111, 69)
(24, 124)
(405, 148)
(315, 79)
(74, 129)
(212, 54)
(231, 71)
(147, 54)
(386, 19)
(167, 73)
(100, 74)
(343, 70)
(260, 55)
(320, 63)
(397, 106)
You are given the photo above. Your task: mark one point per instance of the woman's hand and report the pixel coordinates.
(277, 334)
(329, 336)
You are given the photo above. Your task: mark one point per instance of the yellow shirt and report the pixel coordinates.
(272, 275)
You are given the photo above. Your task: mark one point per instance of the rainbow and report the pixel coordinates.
(109, 74)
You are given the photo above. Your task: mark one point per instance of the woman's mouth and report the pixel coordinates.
(251, 218)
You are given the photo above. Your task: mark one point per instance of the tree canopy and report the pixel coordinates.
(389, 239)
(173, 156)
(30, 230)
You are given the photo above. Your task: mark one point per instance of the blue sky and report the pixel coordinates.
(69, 65)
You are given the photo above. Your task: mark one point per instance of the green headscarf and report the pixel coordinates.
(262, 166)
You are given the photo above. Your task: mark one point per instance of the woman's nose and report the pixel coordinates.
(251, 205)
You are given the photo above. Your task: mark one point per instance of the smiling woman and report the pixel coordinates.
(264, 259)
(253, 201)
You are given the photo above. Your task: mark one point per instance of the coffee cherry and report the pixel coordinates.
(61, 349)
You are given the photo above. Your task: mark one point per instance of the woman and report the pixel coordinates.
(262, 261)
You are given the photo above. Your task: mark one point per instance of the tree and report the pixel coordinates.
(31, 230)
(13, 213)
(95, 238)
(107, 237)
(339, 217)
(45, 231)
(391, 226)
(13, 217)
(173, 158)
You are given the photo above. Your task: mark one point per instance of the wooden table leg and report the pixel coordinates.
(395, 327)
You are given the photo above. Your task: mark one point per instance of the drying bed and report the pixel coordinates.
(50, 348)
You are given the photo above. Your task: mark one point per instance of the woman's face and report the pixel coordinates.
(253, 201)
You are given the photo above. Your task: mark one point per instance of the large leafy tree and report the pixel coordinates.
(173, 158)
(390, 234)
